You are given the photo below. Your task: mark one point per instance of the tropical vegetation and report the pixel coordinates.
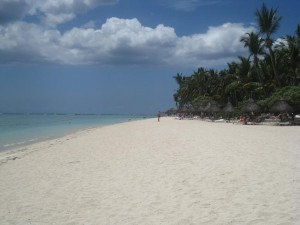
(270, 72)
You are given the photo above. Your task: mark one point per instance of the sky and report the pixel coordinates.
(118, 56)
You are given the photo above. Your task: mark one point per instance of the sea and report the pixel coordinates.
(17, 130)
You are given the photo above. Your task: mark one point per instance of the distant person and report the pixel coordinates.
(158, 116)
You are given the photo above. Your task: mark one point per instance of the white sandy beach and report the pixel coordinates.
(175, 172)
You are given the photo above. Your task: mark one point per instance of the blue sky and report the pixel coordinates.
(117, 56)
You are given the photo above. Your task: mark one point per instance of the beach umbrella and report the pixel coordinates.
(228, 108)
(281, 106)
(212, 107)
(251, 106)
(192, 109)
(201, 108)
(187, 108)
(184, 108)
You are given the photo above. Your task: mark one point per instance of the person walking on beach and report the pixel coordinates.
(158, 116)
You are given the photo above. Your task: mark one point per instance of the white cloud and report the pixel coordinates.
(54, 19)
(23, 42)
(60, 11)
(218, 44)
(90, 24)
(52, 12)
(120, 41)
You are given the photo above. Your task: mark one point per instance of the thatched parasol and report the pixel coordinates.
(228, 108)
(201, 108)
(251, 106)
(184, 109)
(192, 109)
(187, 108)
(281, 106)
(212, 107)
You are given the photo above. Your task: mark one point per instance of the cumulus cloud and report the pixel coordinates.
(60, 11)
(51, 12)
(12, 10)
(23, 42)
(120, 42)
(218, 45)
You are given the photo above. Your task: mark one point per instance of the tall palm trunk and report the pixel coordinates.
(268, 23)
(259, 74)
(268, 41)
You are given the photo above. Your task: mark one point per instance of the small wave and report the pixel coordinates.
(10, 146)
(7, 145)
(34, 140)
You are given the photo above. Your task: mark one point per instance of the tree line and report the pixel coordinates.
(270, 72)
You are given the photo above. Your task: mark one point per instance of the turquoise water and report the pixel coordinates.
(21, 129)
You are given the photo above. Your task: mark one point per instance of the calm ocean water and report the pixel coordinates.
(21, 129)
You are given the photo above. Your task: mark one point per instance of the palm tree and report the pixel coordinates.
(287, 53)
(179, 79)
(298, 47)
(180, 94)
(266, 71)
(243, 69)
(239, 78)
(254, 43)
(268, 23)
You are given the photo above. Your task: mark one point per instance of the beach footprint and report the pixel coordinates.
(185, 222)
(257, 222)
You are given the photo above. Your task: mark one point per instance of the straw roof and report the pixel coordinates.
(212, 107)
(187, 108)
(281, 106)
(201, 108)
(228, 108)
(251, 106)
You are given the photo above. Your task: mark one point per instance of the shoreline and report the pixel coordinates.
(147, 172)
(23, 148)
(53, 131)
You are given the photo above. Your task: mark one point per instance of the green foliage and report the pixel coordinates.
(265, 77)
(201, 101)
(291, 94)
(171, 112)
(233, 86)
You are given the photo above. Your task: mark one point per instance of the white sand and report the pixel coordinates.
(149, 173)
